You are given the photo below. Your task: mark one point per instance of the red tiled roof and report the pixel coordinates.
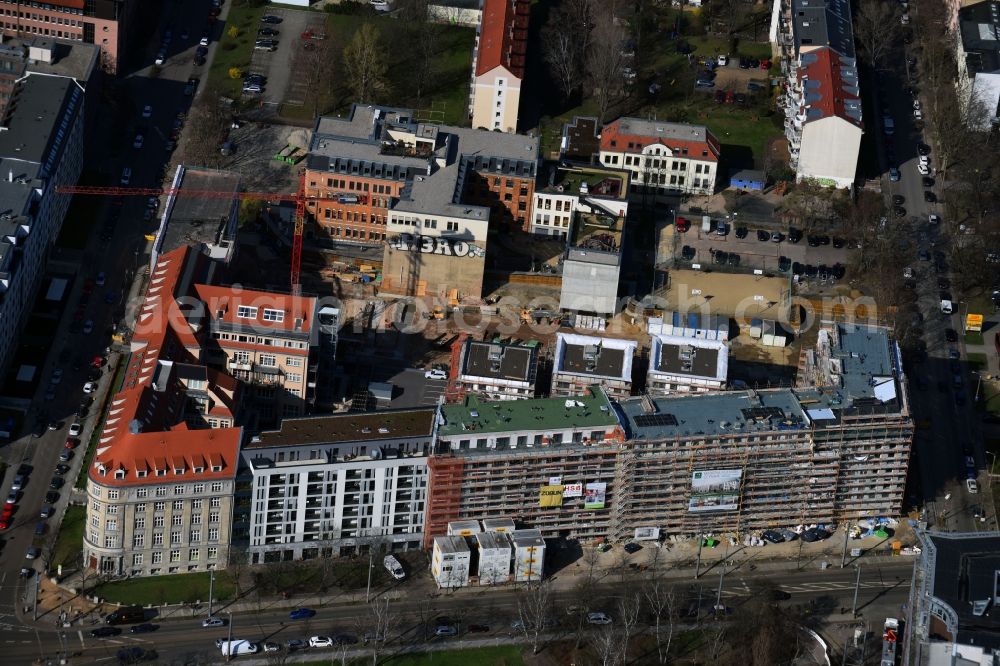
(296, 311)
(613, 141)
(503, 36)
(149, 450)
(829, 97)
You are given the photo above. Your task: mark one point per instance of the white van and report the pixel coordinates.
(393, 566)
(972, 486)
(237, 647)
(946, 307)
(126, 176)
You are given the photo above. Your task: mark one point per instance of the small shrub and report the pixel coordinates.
(235, 72)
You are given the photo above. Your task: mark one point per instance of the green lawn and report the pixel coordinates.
(991, 397)
(973, 338)
(743, 133)
(977, 361)
(234, 52)
(175, 589)
(446, 98)
(69, 543)
(508, 655)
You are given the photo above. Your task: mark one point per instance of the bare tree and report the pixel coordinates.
(365, 65)
(877, 29)
(662, 603)
(628, 617)
(606, 644)
(534, 608)
(207, 127)
(426, 39)
(606, 62)
(567, 34)
(382, 620)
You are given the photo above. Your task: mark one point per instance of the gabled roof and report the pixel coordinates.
(829, 86)
(263, 310)
(632, 135)
(503, 36)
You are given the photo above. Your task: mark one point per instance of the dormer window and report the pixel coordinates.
(161, 472)
(140, 474)
(199, 470)
(120, 474)
(277, 316)
(246, 312)
(216, 468)
(178, 471)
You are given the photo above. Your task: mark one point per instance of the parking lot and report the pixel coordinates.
(276, 65)
(704, 248)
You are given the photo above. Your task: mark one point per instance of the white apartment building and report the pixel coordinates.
(582, 361)
(332, 485)
(663, 158)
(497, 370)
(41, 148)
(498, 65)
(686, 365)
(572, 190)
(451, 561)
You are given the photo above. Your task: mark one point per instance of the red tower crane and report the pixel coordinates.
(298, 197)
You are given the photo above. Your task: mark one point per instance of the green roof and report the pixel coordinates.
(480, 416)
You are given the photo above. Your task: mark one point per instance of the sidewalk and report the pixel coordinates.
(679, 562)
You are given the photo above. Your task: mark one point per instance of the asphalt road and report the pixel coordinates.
(121, 258)
(940, 401)
(882, 590)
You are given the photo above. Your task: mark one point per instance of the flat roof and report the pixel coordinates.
(692, 357)
(353, 427)
(597, 231)
(585, 181)
(498, 360)
(729, 293)
(31, 123)
(76, 60)
(451, 544)
(823, 23)
(593, 356)
(580, 140)
(197, 219)
(478, 417)
(493, 540)
(978, 26)
(963, 570)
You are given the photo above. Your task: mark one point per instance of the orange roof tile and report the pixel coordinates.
(613, 140)
(503, 35)
(294, 312)
(149, 450)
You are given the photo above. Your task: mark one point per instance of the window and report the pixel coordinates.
(137, 540)
(198, 489)
(213, 534)
(157, 558)
(269, 360)
(161, 491)
(274, 315)
(111, 525)
(96, 506)
(140, 524)
(110, 542)
(136, 559)
(294, 377)
(95, 521)
(112, 494)
(112, 509)
(196, 519)
(175, 556)
(179, 490)
(245, 312)
(241, 357)
(159, 507)
(195, 536)
(157, 521)
(196, 505)
(176, 537)
(176, 521)
(215, 502)
(293, 362)
(213, 517)
(178, 505)
(213, 553)
(217, 487)
(142, 492)
(158, 539)
(194, 554)
(140, 507)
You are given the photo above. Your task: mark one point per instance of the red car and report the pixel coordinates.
(72, 442)
(4, 523)
(96, 362)
(683, 224)
(8, 511)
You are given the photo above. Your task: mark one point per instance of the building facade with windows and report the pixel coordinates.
(833, 449)
(325, 486)
(427, 193)
(41, 149)
(679, 364)
(107, 23)
(583, 361)
(664, 159)
(600, 192)
(498, 64)
(497, 370)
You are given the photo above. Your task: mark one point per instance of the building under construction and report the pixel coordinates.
(738, 461)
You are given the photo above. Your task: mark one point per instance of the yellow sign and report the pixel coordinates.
(150, 237)
(974, 322)
(550, 496)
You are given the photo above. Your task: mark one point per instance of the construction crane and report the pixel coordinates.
(299, 197)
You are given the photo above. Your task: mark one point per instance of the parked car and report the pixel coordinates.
(301, 614)
(213, 622)
(598, 618)
(773, 536)
(632, 547)
(320, 641)
(435, 374)
(445, 631)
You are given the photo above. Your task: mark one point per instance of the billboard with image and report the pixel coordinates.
(715, 490)
(593, 495)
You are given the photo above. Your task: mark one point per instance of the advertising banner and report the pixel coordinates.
(646, 534)
(973, 322)
(715, 490)
(572, 490)
(593, 497)
(555, 480)
(550, 496)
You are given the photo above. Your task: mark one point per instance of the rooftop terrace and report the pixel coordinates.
(482, 417)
